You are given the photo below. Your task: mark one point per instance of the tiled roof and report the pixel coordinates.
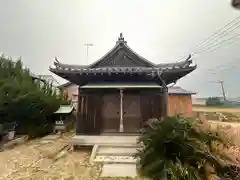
(65, 84)
(123, 62)
(122, 59)
(178, 90)
(65, 109)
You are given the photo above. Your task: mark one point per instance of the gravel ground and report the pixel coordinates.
(43, 159)
(46, 160)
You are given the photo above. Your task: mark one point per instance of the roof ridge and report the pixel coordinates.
(140, 57)
(97, 61)
(121, 44)
(69, 65)
(116, 49)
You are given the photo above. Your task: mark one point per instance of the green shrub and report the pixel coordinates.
(27, 101)
(179, 149)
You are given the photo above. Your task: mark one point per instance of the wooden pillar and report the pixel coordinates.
(165, 102)
(144, 111)
(121, 129)
(98, 101)
(80, 123)
(86, 115)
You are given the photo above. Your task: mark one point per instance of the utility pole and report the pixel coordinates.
(223, 90)
(88, 45)
(222, 87)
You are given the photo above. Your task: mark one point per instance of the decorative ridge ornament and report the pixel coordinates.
(56, 60)
(189, 57)
(121, 39)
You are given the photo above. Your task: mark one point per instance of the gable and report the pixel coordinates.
(121, 56)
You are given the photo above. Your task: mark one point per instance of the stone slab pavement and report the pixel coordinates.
(119, 170)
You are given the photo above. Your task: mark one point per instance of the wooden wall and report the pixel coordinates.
(89, 119)
(179, 104)
(89, 116)
(152, 105)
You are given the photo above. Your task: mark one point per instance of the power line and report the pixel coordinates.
(229, 43)
(231, 62)
(210, 39)
(221, 42)
(229, 68)
(217, 32)
(216, 46)
(220, 66)
(219, 37)
(216, 35)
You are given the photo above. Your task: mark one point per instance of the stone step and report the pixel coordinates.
(127, 145)
(115, 159)
(118, 144)
(119, 170)
(105, 140)
(113, 150)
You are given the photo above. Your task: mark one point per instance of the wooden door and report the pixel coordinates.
(111, 113)
(131, 113)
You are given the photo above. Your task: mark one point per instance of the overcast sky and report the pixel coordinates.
(161, 31)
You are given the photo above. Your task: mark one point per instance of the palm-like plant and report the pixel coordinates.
(179, 149)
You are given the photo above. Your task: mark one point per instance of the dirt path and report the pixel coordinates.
(214, 109)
